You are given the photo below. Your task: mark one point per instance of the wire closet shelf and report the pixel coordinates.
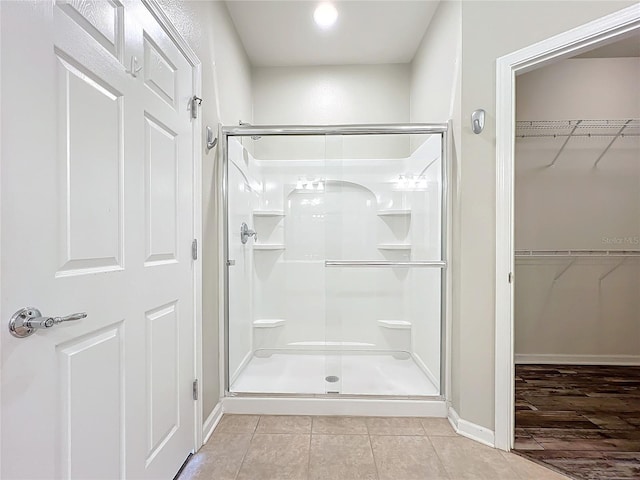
(584, 129)
(577, 128)
(576, 253)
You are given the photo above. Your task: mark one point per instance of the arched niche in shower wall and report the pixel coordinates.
(337, 221)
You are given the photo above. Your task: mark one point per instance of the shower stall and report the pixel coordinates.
(334, 246)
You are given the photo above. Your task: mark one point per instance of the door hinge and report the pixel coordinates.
(195, 389)
(194, 249)
(195, 103)
(510, 277)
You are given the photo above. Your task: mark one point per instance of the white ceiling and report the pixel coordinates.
(283, 33)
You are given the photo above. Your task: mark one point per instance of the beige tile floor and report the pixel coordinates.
(253, 447)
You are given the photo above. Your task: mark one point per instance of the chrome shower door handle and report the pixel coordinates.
(26, 321)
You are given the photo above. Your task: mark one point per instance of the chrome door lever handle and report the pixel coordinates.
(69, 318)
(46, 322)
(27, 320)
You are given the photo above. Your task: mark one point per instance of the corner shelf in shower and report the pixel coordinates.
(394, 246)
(268, 322)
(268, 213)
(394, 213)
(268, 246)
(395, 324)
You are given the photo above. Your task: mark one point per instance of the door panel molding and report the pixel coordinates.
(81, 458)
(94, 18)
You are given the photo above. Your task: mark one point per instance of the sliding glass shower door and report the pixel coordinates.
(335, 263)
(383, 224)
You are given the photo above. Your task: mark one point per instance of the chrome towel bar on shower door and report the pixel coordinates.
(382, 263)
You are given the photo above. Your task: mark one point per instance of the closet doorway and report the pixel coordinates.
(577, 263)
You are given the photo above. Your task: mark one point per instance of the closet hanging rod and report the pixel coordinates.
(576, 253)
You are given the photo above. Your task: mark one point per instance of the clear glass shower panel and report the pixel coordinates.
(277, 284)
(383, 232)
(335, 263)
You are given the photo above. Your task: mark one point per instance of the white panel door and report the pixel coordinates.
(97, 217)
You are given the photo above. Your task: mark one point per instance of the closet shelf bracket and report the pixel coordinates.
(564, 270)
(618, 265)
(564, 144)
(618, 134)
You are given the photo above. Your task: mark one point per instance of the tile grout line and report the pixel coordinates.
(310, 440)
(247, 450)
(444, 466)
(373, 455)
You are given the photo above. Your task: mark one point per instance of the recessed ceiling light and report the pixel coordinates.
(325, 15)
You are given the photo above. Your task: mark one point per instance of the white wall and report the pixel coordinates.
(226, 90)
(436, 93)
(580, 88)
(490, 30)
(436, 69)
(575, 206)
(340, 94)
(332, 95)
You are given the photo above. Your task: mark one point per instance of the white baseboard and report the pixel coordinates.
(471, 430)
(335, 406)
(211, 422)
(425, 369)
(545, 358)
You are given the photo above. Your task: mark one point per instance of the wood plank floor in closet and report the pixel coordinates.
(583, 421)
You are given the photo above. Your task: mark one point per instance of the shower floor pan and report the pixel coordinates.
(331, 372)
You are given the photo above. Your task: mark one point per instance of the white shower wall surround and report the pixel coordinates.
(285, 301)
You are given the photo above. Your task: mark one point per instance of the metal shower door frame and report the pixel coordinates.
(246, 130)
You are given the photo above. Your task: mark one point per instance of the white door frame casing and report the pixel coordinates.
(165, 22)
(601, 31)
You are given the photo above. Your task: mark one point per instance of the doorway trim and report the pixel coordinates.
(602, 31)
(154, 7)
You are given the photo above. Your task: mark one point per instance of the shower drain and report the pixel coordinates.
(332, 379)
